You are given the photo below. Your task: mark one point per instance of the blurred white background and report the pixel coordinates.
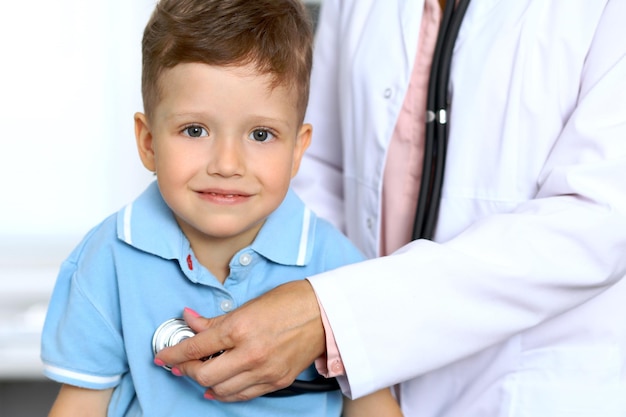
(69, 85)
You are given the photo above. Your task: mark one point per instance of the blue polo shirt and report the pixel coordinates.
(136, 270)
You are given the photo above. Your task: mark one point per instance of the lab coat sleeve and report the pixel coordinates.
(319, 181)
(431, 304)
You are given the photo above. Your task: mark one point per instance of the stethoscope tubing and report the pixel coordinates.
(436, 138)
(434, 157)
(297, 387)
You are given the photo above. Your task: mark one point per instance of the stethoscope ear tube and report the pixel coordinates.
(436, 121)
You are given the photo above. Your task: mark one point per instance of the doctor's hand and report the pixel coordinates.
(267, 342)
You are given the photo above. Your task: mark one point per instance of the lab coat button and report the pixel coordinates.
(370, 222)
(245, 259)
(337, 368)
(226, 305)
(388, 93)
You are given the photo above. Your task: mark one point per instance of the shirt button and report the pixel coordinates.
(370, 222)
(388, 93)
(245, 259)
(226, 305)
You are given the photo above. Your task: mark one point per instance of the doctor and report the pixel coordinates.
(517, 307)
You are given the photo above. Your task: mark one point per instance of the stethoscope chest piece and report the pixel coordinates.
(170, 333)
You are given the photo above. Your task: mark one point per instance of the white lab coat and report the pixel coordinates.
(518, 308)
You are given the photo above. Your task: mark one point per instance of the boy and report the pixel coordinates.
(225, 85)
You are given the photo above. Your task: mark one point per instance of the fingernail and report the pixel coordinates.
(176, 371)
(208, 396)
(192, 312)
(158, 362)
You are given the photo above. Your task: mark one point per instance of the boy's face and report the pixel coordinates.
(224, 148)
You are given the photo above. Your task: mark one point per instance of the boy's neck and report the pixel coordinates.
(216, 258)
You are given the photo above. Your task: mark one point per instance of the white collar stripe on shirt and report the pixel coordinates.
(304, 237)
(128, 210)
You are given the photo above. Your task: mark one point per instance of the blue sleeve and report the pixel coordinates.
(81, 342)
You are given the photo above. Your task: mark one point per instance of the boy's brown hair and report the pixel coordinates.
(276, 36)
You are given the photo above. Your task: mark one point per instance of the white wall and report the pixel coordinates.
(69, 85)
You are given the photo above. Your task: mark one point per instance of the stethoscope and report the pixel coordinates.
(434, 154)
(436, 139)
(173, 331)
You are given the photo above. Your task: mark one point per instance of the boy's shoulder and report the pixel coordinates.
(329, 239)
(115, 229)
(331, 248)
(324, 229)
(93, 244)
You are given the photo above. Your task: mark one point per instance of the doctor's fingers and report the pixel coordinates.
(237, 389)
(234, 377)
(245, 395)
(207, 342)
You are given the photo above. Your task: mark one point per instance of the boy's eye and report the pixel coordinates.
(261, 135)
(195, 131)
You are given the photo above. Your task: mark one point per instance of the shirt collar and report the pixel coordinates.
(287, 237)
(148, 224)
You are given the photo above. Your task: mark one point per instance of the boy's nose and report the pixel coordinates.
(226, 157)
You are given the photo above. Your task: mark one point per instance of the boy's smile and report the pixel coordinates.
(224, 147)
(217, 196)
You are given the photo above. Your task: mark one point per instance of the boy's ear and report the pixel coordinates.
(143, 136)
(303, 140)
